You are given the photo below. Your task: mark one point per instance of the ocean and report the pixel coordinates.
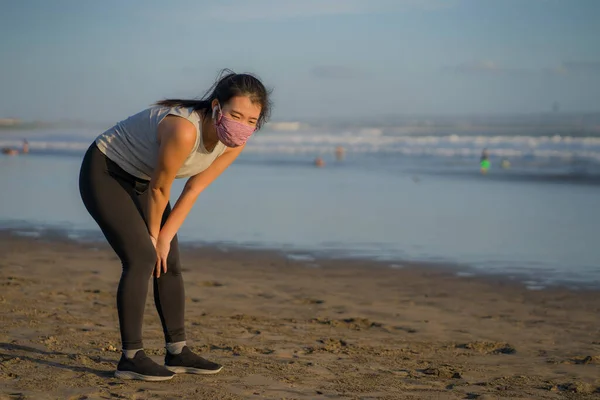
(533, 217)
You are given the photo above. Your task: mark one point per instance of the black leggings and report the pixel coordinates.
(118, 202)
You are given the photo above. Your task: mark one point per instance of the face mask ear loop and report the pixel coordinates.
(217, 113)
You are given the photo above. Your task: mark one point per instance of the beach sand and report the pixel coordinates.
(285, 329)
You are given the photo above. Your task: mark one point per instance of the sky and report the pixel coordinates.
(101, 61)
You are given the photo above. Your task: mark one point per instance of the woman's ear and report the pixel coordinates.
(216, 107)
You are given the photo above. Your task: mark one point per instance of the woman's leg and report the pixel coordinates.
(169, 293)
(169, 297)
(111, 200)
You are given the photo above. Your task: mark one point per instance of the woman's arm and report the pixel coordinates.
(193, 187)
(176, 137)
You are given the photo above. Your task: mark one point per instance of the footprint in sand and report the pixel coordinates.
(488, 347)
(584, 360)
(575, 387)
(443, 371)
(211, 284)
(308, 300)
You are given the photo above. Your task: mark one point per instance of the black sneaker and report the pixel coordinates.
(187, 362)
(141, 367)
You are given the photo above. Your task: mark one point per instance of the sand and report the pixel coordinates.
(304, 329)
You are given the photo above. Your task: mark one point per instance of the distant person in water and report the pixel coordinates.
(13, 152)
(319, 162)
(484, 161)
(10, 151)
(340, 153)
(125, 183)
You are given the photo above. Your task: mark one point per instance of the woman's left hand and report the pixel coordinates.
(162, 252)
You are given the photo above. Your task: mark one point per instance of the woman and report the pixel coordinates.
(125, 182)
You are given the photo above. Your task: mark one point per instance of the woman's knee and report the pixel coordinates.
(173, 265)
(140, 261)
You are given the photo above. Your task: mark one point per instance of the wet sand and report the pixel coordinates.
(285, 329)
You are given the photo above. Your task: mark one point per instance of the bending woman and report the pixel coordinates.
(125, 183)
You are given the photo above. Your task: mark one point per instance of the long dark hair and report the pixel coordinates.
(228, 85)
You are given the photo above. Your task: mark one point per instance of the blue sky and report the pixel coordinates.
(103, 60)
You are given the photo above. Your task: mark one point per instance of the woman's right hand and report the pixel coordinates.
(162, 253)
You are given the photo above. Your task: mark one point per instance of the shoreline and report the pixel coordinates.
(311, 258)
(348, 330)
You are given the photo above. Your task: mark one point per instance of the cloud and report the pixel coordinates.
(482, 66)
(236, 11)
(335, 72)
(592, 67)
(488, 67)
(284, 9)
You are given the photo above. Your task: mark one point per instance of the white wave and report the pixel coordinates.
(564, 147)
(533, 141)
(47, 145)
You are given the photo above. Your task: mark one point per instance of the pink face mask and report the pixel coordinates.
(231, 133)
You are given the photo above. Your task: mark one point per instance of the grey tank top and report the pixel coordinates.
(133, 143)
